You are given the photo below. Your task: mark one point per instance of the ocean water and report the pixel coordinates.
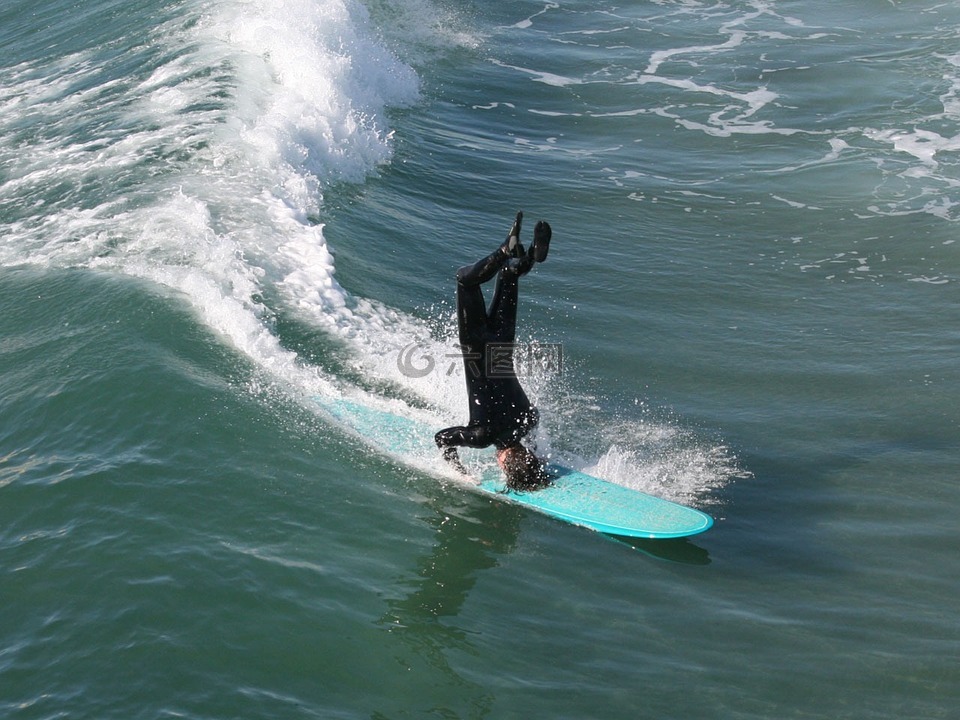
(212, 212)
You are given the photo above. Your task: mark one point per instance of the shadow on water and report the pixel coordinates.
(467, 542)
(679, 550)
(472, 537)
(469, 538)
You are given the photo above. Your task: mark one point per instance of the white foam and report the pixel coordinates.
(922, 144)
(837, 147)
(541, 76)
(207, 176)
(527, 23)
(746, 104)
(661, 56)
(734, 30)
(684, 475)
(268, 102)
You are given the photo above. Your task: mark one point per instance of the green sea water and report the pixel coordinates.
(210, 212)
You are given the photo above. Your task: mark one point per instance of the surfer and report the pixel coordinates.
(500, 412)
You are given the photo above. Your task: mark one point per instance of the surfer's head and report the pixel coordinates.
(524, 470)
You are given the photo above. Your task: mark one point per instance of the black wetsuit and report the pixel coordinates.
(500, 412)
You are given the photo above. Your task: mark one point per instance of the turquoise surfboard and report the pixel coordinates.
(572, 496)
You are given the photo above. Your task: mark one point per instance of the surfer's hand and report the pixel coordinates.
(451, 456)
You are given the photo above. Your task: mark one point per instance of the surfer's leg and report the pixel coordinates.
(482, 270)
(486, 268)
(471, 316)
(503, 308)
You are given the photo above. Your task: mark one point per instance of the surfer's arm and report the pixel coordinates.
(451, 438)
(448, 440)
